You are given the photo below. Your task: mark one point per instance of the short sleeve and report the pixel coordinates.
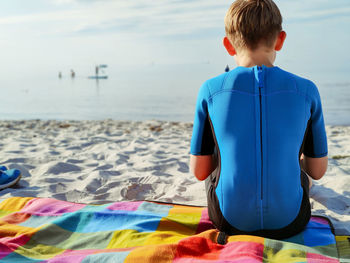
(315, 144)
(202, 142)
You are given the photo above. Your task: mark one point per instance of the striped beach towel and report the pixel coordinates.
(49, 230)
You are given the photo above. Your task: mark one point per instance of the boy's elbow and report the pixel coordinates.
(317, 175)
(200, 166)
(199, 173)
(200, 176)
(318, 169)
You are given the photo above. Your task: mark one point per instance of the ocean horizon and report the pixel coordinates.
(136, 93)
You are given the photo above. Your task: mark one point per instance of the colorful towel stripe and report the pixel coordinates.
(49, 230)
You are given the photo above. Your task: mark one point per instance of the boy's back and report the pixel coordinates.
(267, 127)
(259, 118)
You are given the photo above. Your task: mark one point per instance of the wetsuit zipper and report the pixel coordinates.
(260, 86)
(261, 139)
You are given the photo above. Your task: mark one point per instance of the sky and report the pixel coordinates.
(46, 36)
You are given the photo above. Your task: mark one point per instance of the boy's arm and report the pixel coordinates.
(314, 167)
(314, 160)
(202, 161)
(202, 165)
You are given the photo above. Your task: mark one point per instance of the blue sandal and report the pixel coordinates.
(8, 178)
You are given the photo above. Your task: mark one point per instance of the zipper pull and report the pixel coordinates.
(260, 77)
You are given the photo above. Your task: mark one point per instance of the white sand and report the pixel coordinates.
(107, 161)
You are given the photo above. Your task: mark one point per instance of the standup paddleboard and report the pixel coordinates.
(98, 77)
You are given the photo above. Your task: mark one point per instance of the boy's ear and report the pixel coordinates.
(280, 40)
(230, 49)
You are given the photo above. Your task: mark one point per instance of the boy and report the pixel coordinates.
(258, 132)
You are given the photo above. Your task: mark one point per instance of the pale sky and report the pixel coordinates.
(44, 36)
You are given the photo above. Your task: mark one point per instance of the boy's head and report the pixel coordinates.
(252, 23)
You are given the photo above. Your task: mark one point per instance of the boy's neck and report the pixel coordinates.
(258, 57)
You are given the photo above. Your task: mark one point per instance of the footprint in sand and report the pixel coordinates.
(61, 168)
(17, 160)
(104, 167)
(122, 159)
(136, 191)
(74, 161)
(107, 173)
(98, 157)
(183, 167)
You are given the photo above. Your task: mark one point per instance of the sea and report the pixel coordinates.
(137, 93)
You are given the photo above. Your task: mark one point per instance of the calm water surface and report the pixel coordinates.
(154, 92)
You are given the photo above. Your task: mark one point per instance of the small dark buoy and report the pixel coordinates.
(72, 73)
(227, 69)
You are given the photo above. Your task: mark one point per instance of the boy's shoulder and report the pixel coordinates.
(217, 83)
(212, 85)
(241, 76)
(298, 79)
(302, 84)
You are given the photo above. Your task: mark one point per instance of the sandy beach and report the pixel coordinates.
(106, 161)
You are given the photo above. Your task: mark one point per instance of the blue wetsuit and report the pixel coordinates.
(260, 120)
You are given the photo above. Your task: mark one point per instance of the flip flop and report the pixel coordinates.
(9, 178)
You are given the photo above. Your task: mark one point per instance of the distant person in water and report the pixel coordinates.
(60, 74)
(96, 70)
(72, 73)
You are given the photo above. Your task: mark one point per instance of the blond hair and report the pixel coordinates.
(249, 23)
